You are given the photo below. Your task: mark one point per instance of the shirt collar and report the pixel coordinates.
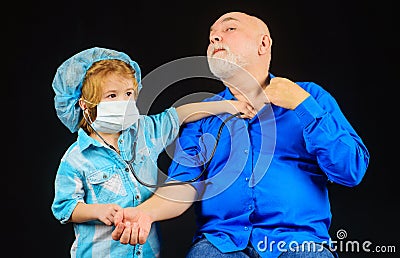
(84, 140)
(227, 94)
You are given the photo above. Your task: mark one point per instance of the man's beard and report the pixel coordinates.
(227, 66)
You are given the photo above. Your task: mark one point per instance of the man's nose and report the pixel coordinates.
(215, 38)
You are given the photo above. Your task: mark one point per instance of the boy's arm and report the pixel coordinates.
(195, 111)
(86, 212)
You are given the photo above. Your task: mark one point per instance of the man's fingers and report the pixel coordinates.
(134, 234)
(117, 232)
(143, 234)
(126, 234)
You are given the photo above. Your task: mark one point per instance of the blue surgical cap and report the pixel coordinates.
(67, 83)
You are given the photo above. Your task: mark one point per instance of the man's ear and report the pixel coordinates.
(265, 44)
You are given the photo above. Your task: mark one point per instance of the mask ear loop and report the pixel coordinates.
(87, 101)
(88, 119)
(84, 108)
(89, 122)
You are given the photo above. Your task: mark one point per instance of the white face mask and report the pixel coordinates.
(115, 116)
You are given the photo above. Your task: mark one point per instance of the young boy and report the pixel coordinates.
(96, 91)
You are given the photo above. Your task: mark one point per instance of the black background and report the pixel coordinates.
(345, 46)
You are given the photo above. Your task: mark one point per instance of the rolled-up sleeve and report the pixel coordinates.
(68, 192)
(188, 161)
(163, 128)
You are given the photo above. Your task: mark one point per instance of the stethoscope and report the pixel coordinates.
(129, 162)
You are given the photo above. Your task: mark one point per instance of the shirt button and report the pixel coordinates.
(137, 197)
(127, 169)
(247, 179)
(246, 151)
(104, 176)
(121, 141)
(138, 253)
(246, 228)
(250, 207)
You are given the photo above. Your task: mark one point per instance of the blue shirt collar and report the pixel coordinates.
(84, 140)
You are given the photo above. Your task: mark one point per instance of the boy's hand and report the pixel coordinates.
(245, 108)
(106, 212)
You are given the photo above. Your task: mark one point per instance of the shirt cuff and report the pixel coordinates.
(308, 111)
(175, 118)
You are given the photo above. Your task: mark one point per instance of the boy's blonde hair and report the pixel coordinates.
(92, 85)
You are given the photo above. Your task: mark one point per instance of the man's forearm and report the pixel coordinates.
(169, 202)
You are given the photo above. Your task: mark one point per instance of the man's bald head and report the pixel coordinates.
(239, 40)
(257, 24)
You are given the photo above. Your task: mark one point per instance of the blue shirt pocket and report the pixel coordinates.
(107, 185)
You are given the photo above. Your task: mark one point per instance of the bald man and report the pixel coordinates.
(264, 191)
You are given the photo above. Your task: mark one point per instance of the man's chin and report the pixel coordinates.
(223, 76)
(223, 72)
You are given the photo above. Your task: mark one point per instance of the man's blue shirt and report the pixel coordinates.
(267, 181)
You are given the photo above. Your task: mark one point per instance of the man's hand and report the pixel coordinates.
(132, 226)
(285, 93)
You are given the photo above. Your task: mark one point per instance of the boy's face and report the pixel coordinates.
(116, 87)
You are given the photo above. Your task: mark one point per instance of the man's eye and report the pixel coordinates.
(230, 29)
(129, 93)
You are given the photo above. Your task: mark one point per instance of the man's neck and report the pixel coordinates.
(249, 89)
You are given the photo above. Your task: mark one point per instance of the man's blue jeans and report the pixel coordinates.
(203, 248)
